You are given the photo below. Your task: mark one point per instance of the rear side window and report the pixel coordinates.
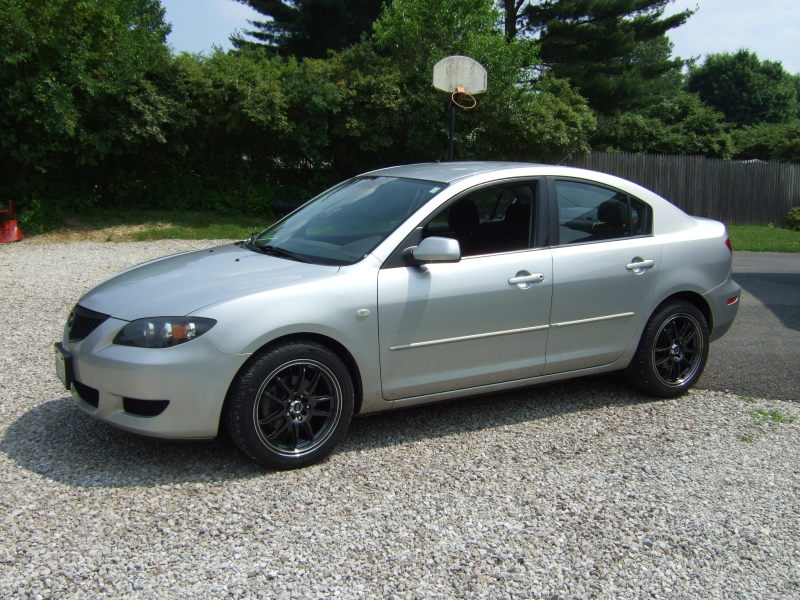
(591, 213)
(641, 217)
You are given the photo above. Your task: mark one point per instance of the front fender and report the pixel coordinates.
(327, 307)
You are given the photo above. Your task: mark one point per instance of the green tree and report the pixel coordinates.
(769, 141)
(83, 85)
(263, 127)
(745, 89)
(97, 111)
(645, 87)
(681, 124)
(369, 121)
(236, 116)
(310, 28)
(611, 50)
(514, 119)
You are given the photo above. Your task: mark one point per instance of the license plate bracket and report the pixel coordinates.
(63, 365)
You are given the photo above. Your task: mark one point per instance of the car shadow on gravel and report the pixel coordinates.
(60, 442)
(488, 411)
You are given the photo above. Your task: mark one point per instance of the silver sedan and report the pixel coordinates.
(403, 286)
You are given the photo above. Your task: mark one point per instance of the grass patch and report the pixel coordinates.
(747, 438)
(764, 239)
(762, 415)
(208, 231)
(138, 225)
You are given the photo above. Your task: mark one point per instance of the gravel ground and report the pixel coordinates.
(576, 490)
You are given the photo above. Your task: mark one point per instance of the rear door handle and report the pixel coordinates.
(640, 265)
(535, 278)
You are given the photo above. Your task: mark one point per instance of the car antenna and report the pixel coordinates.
(558, 164)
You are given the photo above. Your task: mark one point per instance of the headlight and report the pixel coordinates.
(162, 332)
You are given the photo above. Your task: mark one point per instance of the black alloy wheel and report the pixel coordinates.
(291, 406)
(678, 350)
(297, 407)
(672, 351)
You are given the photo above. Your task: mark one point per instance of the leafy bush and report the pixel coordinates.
(96, 111)
(793, 219)
(680, 124)
(746, 89)
(769, 141)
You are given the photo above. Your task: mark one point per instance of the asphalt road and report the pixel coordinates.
(760, 355)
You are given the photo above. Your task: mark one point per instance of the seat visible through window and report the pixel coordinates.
(516, 227)
(464, 222)
(588, 212)
(611, 220)
(501, 224)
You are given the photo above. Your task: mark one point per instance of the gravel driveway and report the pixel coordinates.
(583, 489)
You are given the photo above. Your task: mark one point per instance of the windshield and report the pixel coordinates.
(344, 224)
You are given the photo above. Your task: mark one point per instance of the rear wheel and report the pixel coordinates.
(672, 352)
(291, 406)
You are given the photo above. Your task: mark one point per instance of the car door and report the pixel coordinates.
(478, 321)
(605, 269)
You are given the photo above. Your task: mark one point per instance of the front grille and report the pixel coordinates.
(87, 394)
(144, 408)
(82, 322)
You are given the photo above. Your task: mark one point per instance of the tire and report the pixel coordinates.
(672, 351)
(291, 406)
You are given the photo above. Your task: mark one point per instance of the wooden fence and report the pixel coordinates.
(734, 192)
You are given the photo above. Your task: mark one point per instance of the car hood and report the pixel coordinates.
(180, 284)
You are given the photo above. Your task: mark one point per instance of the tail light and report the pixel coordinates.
(728, 244)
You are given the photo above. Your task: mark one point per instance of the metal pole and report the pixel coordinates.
(452, 131)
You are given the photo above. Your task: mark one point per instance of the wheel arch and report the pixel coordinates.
(336, 347)
(692, 298)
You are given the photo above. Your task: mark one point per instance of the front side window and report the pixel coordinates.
(488, 221)
(590, 213)
(347, 222)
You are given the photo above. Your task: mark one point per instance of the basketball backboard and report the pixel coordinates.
(455, 72)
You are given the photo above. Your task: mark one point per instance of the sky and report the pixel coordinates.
(770, 28)
(197, 25)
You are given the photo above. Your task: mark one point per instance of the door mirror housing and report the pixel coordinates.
(437, 249)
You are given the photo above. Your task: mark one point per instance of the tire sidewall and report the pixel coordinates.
(642, 370)
(241, 421)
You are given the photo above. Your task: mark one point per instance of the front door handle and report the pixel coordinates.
(638, 265)
(525, 280)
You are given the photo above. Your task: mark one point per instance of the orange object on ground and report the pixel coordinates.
(9, 228)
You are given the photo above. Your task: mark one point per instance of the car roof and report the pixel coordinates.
(447, 172)
(462, 172)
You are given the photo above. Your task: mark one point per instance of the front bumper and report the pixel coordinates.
(724, 313)
(194, 377)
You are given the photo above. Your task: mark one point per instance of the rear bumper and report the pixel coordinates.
(723, 312)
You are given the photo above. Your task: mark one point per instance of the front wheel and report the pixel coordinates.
(672, 352)
(291, 406)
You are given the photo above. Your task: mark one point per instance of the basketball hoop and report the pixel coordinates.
(461, 92)
(455, 72)
(461, 76)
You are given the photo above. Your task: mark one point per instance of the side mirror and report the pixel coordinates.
(437, 249)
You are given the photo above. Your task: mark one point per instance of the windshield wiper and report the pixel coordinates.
(281, 252)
